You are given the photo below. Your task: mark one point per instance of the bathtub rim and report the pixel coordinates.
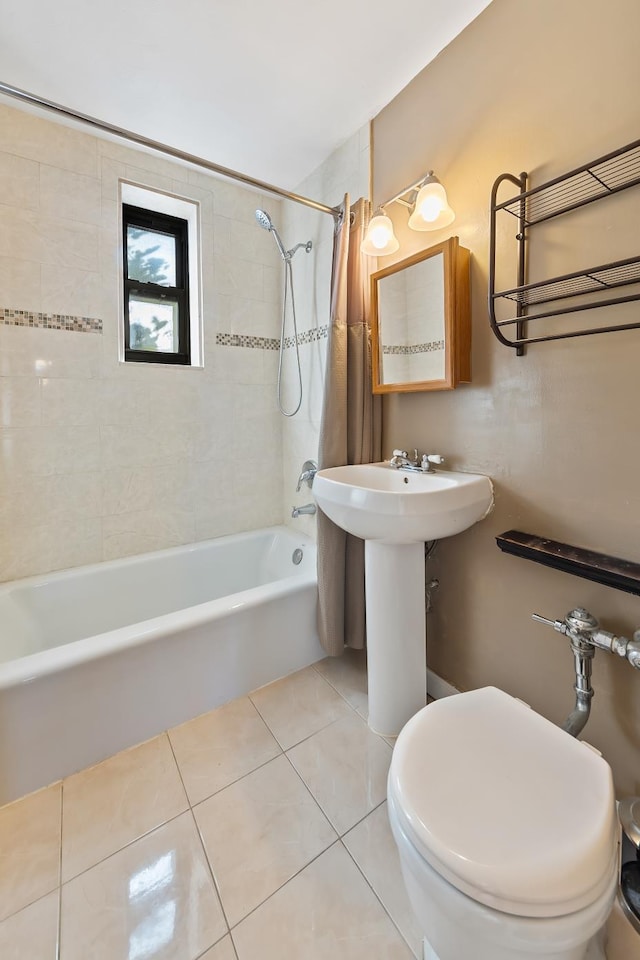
(68, 655)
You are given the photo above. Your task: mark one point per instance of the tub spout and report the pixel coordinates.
(307, 510)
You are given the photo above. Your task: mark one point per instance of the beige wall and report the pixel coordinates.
(540, 87)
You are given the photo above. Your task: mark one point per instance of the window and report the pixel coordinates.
(160, 278)
(156, 287)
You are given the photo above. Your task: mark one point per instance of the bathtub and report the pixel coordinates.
(99, 658)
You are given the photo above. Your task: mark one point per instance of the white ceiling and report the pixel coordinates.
(266, 87)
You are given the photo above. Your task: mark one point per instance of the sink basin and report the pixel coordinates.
(375, 501)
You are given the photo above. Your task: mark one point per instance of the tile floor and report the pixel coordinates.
(259, 829)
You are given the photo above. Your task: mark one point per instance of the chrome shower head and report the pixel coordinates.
(264, 220)
(266, 223)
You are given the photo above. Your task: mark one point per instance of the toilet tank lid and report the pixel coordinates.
(506, 806)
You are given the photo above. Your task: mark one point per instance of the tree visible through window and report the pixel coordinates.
(156, 287)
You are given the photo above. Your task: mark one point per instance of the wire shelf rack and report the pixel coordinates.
(593, 181)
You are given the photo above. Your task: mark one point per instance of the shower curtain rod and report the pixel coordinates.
(31, 98)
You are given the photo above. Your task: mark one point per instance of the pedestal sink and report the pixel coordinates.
(395, 512)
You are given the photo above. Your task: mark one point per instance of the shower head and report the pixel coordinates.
(264, 220)
(266, 223)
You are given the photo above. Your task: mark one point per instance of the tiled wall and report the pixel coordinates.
(99, 459)
(345, 170)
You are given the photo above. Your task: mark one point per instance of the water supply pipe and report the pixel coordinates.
(585, 635)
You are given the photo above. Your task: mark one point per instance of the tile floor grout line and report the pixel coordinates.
(215, 793)
(333, 687)
(142, 836)
(175, 760)
(233, 945)
(257, 709)
(322, 729)
(371, 887)
(358, 822)
(314, 798)
(303, 867)
(282, 885)
(213, 878)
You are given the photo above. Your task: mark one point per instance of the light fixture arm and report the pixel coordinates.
(414, 188)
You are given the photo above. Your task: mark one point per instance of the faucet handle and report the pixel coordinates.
(434, 458)
(399, 453)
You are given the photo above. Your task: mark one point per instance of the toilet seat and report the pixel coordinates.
(504, 805)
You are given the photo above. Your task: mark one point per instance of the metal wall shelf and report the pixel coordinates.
(603, 177)
(588, 564)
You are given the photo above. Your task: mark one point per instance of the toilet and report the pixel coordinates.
(507, 832)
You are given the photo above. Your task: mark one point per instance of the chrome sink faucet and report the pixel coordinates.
(418, 464)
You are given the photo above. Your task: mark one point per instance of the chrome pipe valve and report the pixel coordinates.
(582, 628)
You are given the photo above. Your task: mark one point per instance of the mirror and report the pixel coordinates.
(421, 321)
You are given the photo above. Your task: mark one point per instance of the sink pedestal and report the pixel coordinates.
(396, 633)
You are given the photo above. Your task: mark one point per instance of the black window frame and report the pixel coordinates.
(176, 227)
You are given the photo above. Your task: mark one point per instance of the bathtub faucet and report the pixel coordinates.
(307, 510)
(309, 469)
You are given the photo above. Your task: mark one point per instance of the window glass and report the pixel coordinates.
(151, 256)
(153, 324)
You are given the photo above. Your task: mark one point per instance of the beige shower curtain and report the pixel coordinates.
(350, 431)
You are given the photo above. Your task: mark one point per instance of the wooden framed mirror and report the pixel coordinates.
(421, 321)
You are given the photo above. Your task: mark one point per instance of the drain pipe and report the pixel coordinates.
(585, 635)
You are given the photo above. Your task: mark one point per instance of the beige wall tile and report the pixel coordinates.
(68, 195)
(33, 137)
(68, 243)
(47, 450)
(69, 290)
(19, 402)
(108, 806)
(20, 284)
(20, 234)
(67, 402)
(32, 934)
(19, 183)
(155, 897)
(142, 531)
(59, 253)
(29, 849)
(221, 746)
(31, 550)
(48, 353)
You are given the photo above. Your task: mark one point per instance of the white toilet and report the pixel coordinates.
(507, 831)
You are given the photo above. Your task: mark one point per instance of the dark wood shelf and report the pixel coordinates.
(588, 564)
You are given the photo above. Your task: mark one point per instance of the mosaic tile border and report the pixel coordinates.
(50, 321)
(269, 343)
(412, 348)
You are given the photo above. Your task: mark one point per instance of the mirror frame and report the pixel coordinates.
(457, 319)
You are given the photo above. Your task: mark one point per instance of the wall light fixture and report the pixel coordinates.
(430, 210)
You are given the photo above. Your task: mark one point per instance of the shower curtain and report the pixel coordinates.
(350, 430)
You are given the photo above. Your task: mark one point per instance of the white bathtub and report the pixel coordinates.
(98, 658)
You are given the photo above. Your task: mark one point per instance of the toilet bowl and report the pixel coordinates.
(507, 832)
